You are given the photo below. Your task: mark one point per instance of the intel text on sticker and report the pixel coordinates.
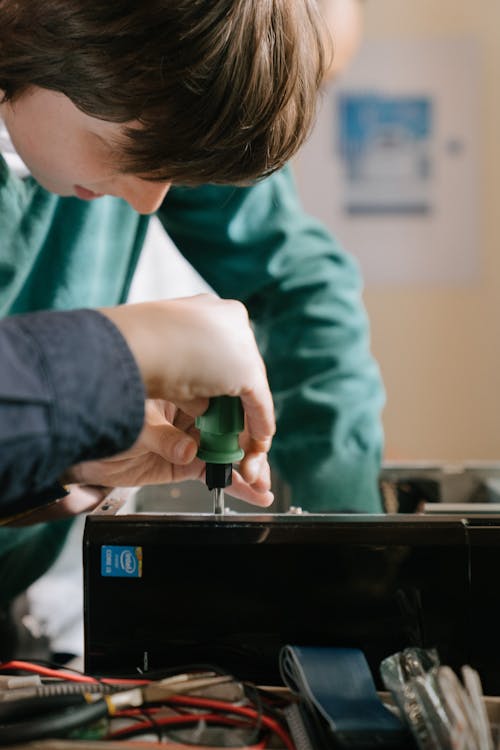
(121, 562)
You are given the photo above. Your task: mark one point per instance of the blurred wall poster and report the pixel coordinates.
(385, 145)
(392, 165)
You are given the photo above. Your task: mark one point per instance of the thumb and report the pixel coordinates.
(172, 444)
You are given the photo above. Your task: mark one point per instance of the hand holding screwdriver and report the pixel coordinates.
(219, 429)
(189, 351)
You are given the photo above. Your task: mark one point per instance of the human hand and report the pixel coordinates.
(192, 349)
(166, 452)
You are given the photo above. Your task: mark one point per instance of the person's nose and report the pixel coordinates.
(146, 197)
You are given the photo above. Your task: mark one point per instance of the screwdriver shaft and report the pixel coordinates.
(218, 499)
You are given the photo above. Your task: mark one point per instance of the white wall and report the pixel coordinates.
(439, 346)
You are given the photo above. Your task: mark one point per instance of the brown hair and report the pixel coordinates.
(224, 90)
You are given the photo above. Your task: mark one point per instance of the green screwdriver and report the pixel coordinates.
(219, 430)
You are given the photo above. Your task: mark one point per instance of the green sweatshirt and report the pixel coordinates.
(255, 244)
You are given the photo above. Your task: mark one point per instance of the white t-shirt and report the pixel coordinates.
(9, 153)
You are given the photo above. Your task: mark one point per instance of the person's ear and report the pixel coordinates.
(344, 22)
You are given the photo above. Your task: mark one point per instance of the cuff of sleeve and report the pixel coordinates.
(97, 393)
(19, 508)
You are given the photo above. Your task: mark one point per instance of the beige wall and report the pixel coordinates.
(439, 347)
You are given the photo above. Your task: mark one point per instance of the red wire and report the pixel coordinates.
(148, 745)
(46, 671)
(27, 666)
(181, 700)
(163, 722)
(132, 713)
(166, 721)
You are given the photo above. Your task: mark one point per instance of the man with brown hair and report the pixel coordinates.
(117, 110)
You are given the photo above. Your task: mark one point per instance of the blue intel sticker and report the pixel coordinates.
(121, 562)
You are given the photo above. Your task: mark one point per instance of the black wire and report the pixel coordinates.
(274, 703)
(250, 689)
(264, 706)
(58, 667)
(154, 726)
(150, 725)
(30, 707)
(173, 732)
(52, 725)
(174, 736)
(156, 674)
(60, 723)
(136, 731)
(159, 674)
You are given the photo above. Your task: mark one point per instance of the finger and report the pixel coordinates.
(193, 470)
(259, 413)
(183, 421)
(255, 469)
(170, 443)
(195, 407)
(158, 410)
(243, 491)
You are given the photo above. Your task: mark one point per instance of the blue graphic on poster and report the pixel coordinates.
(385, 145)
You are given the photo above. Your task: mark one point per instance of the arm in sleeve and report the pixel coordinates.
(303, 292)
(70, 390)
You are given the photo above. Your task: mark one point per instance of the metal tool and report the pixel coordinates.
(219, 430)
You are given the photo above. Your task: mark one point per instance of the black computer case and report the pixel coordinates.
(164, 591)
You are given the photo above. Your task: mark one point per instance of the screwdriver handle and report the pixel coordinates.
(219, 430)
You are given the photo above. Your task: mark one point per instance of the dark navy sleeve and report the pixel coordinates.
(70, 390)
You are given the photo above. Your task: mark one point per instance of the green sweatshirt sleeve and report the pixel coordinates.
(303, 293)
